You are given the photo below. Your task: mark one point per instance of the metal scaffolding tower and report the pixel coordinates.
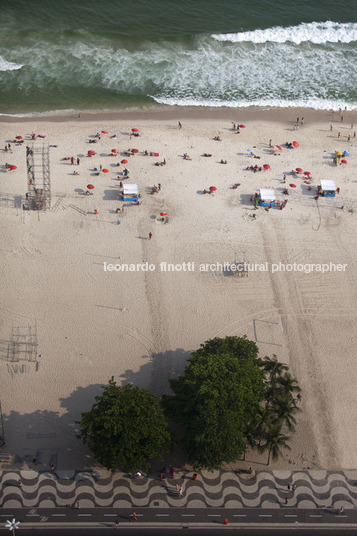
(38, 195)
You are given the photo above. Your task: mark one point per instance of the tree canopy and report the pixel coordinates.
(125, 428)
(229, 398)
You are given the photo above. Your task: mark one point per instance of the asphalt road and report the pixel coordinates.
(182, 517)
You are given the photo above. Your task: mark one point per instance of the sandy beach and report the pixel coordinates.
(84, 324)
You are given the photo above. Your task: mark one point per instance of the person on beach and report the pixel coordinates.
(179, 125)
(150, 236)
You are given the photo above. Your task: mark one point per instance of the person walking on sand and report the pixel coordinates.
(179, 125)
(150, 236)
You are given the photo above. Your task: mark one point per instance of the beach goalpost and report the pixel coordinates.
(38, 195)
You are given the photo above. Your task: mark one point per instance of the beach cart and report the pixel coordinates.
(328, 188)
(130, 192)
(266, 198)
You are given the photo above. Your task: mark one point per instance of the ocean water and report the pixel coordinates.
(100, 55)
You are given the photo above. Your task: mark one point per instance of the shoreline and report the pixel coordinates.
(275, 115)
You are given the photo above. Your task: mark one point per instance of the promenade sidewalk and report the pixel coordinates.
(264, 489)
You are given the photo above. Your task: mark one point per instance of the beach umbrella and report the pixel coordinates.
(249, 151)
(278, 147)
(299, 170)
(266, 166)
(12, 167)
(307, 173)
(135, 151)
(343, 161)
(292, 185)
(105, 170)
(346, 153)
(338, 153)
(135, 130)
(90, 153)
(163, 213)
(212, 188)
(114, 151)
(90, 186)
(124, 161)
(104, 132)
(18, 138)
(295, 144)
(241, 126)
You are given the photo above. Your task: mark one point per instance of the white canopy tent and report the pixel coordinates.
(130, 189)
(328, 186)
(267, 195)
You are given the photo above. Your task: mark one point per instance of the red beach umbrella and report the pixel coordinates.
(90, 186)
(105, 170)
(212, 188)
(114, 151)
(12, 167)
(124, 161)
(104, 132)
(278, 147)
(266, 166)
(295, 144)
(18, 138)
(292, 185)
(241, 126)
(90, 153)
(299, 170)
(307, 173)
(343, 161)
(163, 213)
(135, 151)
(135, 130)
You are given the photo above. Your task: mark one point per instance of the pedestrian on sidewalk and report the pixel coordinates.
(286, 500)
(133, 517)
(181, 491)
(225, 521)
(289, 486)
(293, 487)
(77, 505)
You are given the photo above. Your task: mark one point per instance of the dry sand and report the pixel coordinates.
(141, 326)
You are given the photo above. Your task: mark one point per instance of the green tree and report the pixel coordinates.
(217, 399)
(125, 427)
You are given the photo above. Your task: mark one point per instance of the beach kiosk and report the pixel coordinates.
(130, 192)
(266, 198)
(328, 188)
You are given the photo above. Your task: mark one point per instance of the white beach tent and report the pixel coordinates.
(328, 186)
(267, 195)
(130, 189)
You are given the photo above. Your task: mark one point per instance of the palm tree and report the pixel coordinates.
(276, 441)
(284, 408)
(288, 383)
(274, 368)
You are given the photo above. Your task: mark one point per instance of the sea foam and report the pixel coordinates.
(314, 32)
(8, 65)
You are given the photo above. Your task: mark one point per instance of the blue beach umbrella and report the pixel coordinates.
(346, 153)
(249, 151)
